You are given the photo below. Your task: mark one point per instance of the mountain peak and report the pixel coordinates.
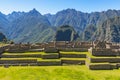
(69, 9)
(34, 9)
(34, 12)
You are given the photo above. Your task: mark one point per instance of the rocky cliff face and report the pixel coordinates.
(66, 33)
(109, 31)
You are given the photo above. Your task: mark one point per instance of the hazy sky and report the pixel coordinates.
(52, 6)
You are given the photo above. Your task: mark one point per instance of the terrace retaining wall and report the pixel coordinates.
(49, 63)
(50, 56)
(71, 55)
(77, 62)
(102, 67)
(18, 61)
(110, 60)
(73, 49)
(21, 56)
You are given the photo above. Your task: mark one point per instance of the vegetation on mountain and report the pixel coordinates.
(4, 24)
(109, 30)
(89, 32)
(30, 27)
(66, 33)
(33, 27)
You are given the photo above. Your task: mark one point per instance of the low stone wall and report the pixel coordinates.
(51, 50)
(49, 63)
(73, 49)
(71, 55)
(22, 56)
(23, 64)
(20, 64)
(15, 64)
(35, 47)
(16, 51)
(33, 64)
(35, 50)
(103, 52)
(3, 48)
(102, 67)
(76, 62)
(14, 48)
(18, 61)
(100, 60)
(50, 56)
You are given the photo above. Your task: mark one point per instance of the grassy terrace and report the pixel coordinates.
(73, 58)
(38, 59)
(26, 53)
(19, 58)
(47, 53)
(73, 52)
(43, 53)
(71, 72)
(57, 73)
(91, 56)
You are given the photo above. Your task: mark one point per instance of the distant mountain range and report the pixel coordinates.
(33, 27)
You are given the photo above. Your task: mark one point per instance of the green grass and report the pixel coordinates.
(73, 58)
(46, 53)
(57, 73)
(17, 58)
(91, 56)
(62, 52)
(38, 59)
(26, 53)
(71, 72)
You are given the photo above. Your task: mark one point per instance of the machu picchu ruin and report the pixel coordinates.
(95, 55)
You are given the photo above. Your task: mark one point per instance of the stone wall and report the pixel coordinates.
(71, 55)
(73, 49)
(75, 62)
(21, 56)
(104, 52)
(49, 63)
(102, 67)
(51, 50)
(50, 56)
(18, 61)
(100, 60)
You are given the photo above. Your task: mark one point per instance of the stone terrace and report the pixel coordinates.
(95, 55)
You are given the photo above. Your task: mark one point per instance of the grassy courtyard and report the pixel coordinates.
(69, 72)
(57, 73)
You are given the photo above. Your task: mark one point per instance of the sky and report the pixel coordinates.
(53, 6)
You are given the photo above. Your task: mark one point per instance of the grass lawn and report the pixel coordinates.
(74, 72)
(26, 53)
(62, 52)
(57, 73)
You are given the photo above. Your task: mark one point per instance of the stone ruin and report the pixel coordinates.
(102, 55)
